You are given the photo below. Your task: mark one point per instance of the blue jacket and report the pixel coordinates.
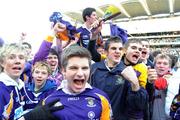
(32, 98)
(122, 98)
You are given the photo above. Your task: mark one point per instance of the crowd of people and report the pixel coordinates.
(164, 40)
(168, 50)
(86, 78)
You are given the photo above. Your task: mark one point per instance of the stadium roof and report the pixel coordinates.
(136, 9)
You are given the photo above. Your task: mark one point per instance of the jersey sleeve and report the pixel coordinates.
(106, 113)
(141, 70)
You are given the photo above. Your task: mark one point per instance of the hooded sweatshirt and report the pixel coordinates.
(32, 97)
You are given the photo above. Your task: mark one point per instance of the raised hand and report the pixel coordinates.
(152, 75)
(129, 74)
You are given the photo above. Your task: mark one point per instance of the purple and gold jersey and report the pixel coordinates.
(92, 104)
(11, 99)
(84, 36)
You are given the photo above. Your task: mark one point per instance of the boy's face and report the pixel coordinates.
(162, 66)
(100, 50)
(92, 18)
(77, 73)
(52, 60)
(14, 64)
(28, 50)
(145, 50)
(133, 52)
(114, 53)
(40, 76)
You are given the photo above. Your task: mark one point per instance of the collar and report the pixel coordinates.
(106, 64)
(54, 73)
(8, 81)
(85, 27)
(65, 89)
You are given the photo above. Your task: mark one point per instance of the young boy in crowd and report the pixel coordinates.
(163, 67)
(41, 86)
(12, 61)
(91, 21)
(132, 55)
